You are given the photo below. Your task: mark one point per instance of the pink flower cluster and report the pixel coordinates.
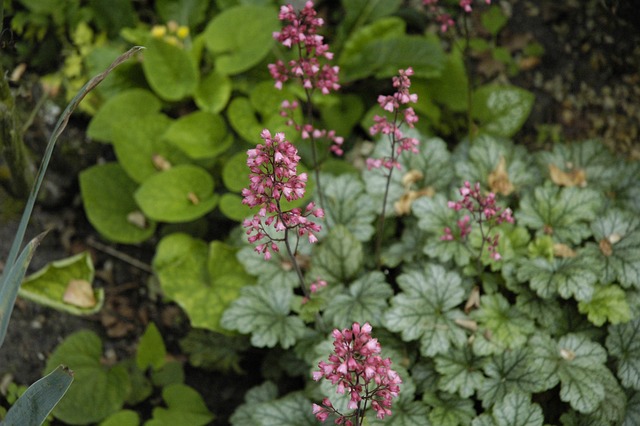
(443, 18)
(407, 115)
(484, 210)
(357, 368)
(302, 32)
(274, 175)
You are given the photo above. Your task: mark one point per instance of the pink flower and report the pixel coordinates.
(273, 176)
(357, 369)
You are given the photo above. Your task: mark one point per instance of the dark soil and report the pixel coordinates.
(587, 85)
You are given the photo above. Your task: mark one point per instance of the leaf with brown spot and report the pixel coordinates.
(563, 250)
(574, 177)
(79, 293)
(498, 179)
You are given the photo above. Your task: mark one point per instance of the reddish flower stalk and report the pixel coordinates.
(274, 177)
(301, 33)
(356, 367)
(399, 143)
(443, 17)
(484, 212)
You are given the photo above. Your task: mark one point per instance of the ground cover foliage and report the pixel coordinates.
(487, 322)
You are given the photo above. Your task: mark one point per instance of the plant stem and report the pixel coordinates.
(467, 64)
(314, 153)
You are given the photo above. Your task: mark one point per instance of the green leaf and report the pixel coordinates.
(591, 157)
(213, 92)
(493, 20)
(141, 148)
(242, 118)
(278, 269)
(362, 301)
(240, 37)
(434, 215)
(426, 309)
(405, 413)
(623, 343)
(608, 303)
(35, 404)
(263, 311)
(185, 406)
(291, 410)
(169, 69)
(579, 364)
(107, 195)
(618, 248)
(383, 57)
(501, 110)
(203, 281)
(549, 313)
(348, 204)
(231, 206)
(190, 12)
(461, 372)
(563, 213)
(516, 409)
(214, 351)
(132, 103)
(506, 325)
(449, 409)
(59, 284)
(180, 194)
(632, 415)
(235, 173)
(612, 408)
(151, 350)
(200, 135)
(475, 162)
(513, 371)
(97, 390)
(451, 87)
(122, 418)
(568, 277)
(339, 258)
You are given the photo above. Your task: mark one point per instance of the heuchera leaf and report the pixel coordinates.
(240, 37)
(513, 371)
(516, 409)
(362, 301)
(501, 110)
(567, 277)
(563, 213)
(632, 414)
(612, 408)
(434, 216)
(107, 195)
(608, 303)
(404, 413)
(449, 410)
(181, 194)
(617, 254)
(504, 324)
(426, 309)
(214, 351)
(291, 410)
(461, 372)
(263, 311)
(549, 313)
(579, 364)
(339, 258)
(169, 69)
(96, 390)
(623, 343)
(349, 205)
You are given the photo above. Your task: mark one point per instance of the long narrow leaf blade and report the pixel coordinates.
(33, 407)
(12, 280)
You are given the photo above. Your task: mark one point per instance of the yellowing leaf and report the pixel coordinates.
(563, 250)
(499, 179)
(574, 177)
(79, 293)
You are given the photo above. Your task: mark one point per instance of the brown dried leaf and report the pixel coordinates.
(498, 179)
(563, 250)
(574, 177)
(467, 323)
(160, 162)
(473, 301)
(403, 205)
(79, 293)
(606, 247)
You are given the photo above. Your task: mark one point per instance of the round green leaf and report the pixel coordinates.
(213, 92)
(169, 70)
(501, 110)
(97, 391)
(107, 195)
(180, 194)
(126, 105)
(240, 37)
(243, 119)
(231, 206)
(199, 134)
(235, 173)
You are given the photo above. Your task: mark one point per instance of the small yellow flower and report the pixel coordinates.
(172, 40)
(183, 32)
(158, 31)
